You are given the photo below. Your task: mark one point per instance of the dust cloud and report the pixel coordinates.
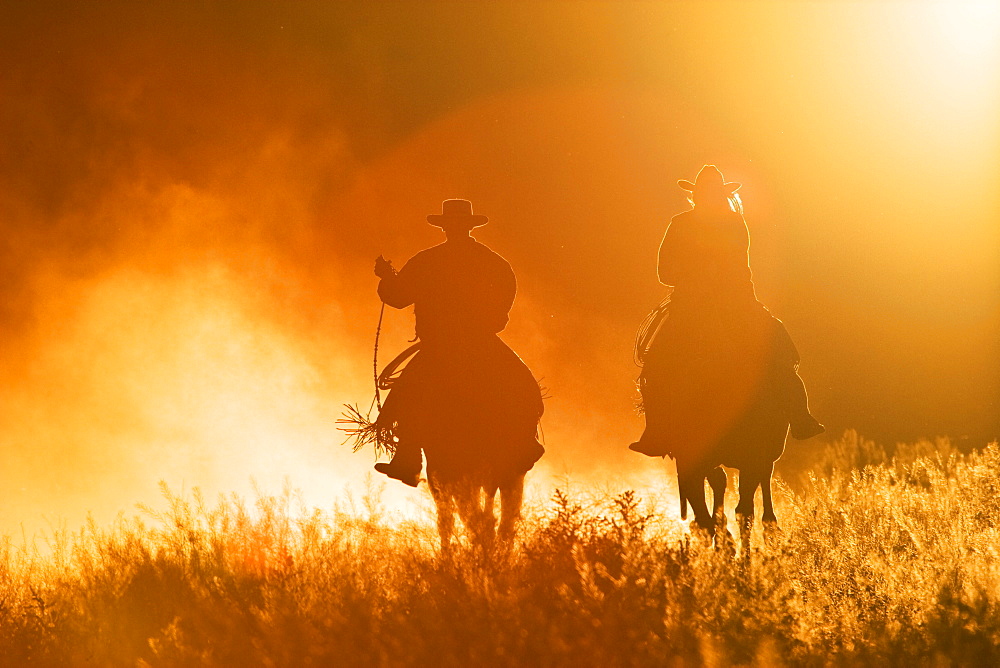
(188, 236)
(155, 189)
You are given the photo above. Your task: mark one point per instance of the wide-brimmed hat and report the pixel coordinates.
(709, 179)
(457, 212)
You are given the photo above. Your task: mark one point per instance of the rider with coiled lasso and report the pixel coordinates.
(465, 395)
(713, 350)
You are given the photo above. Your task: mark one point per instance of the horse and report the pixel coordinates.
(720, 402)
(753, 476)
(475, 415)
(469, 464)
(751, 444)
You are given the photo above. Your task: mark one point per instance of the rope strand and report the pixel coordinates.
(378, 333)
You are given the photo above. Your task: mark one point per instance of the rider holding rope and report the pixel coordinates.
(463, 376)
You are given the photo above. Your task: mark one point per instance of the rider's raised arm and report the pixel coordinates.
(399, 290)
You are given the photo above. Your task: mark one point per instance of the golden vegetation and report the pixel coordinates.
(894, 562)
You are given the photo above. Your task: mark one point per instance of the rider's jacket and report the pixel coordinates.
(705, 256)
(460, 289)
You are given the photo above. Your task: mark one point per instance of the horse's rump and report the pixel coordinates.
(473, 406)
(711, 380)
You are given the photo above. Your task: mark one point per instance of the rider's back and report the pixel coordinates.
(460, 289)
(705, 256)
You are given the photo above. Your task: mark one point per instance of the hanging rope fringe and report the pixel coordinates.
(360, 427)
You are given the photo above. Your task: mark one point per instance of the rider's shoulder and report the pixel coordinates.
(428, 254)
(691, 216)
(494, 256)
(682, 218)
(477, 248)
(449, 251)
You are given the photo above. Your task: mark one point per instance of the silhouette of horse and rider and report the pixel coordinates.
(465, 399)
(719, 382)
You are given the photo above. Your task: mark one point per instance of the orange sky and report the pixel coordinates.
(191, 199)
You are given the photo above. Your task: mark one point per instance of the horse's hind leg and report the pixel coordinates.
(749, 481)
(485, 498)
(511, 500)
(468, 497)
(765, 488)
(772, 532)
(445, 504)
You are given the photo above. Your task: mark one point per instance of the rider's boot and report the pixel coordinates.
(530, 452)
(806, 426)
(803, 424)
(405, 464)
(652, 443)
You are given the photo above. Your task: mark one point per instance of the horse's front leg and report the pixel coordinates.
(749, 482)
(717, 481)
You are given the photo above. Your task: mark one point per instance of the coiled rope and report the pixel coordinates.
(648, 330)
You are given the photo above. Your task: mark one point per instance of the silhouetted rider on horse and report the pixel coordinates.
(717, 349)
(465, 393)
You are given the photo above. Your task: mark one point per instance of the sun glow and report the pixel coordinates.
(955, 48)
(970, 29)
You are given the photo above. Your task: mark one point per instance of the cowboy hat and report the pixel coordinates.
(709, 178)
(455, 212)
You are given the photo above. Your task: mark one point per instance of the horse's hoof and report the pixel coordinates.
(772, 535)
(702, 533)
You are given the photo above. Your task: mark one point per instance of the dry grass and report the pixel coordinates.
(893, 563)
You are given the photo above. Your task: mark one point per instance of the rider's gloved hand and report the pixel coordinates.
(383, 267)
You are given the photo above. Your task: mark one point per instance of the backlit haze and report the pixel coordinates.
(191, 199)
